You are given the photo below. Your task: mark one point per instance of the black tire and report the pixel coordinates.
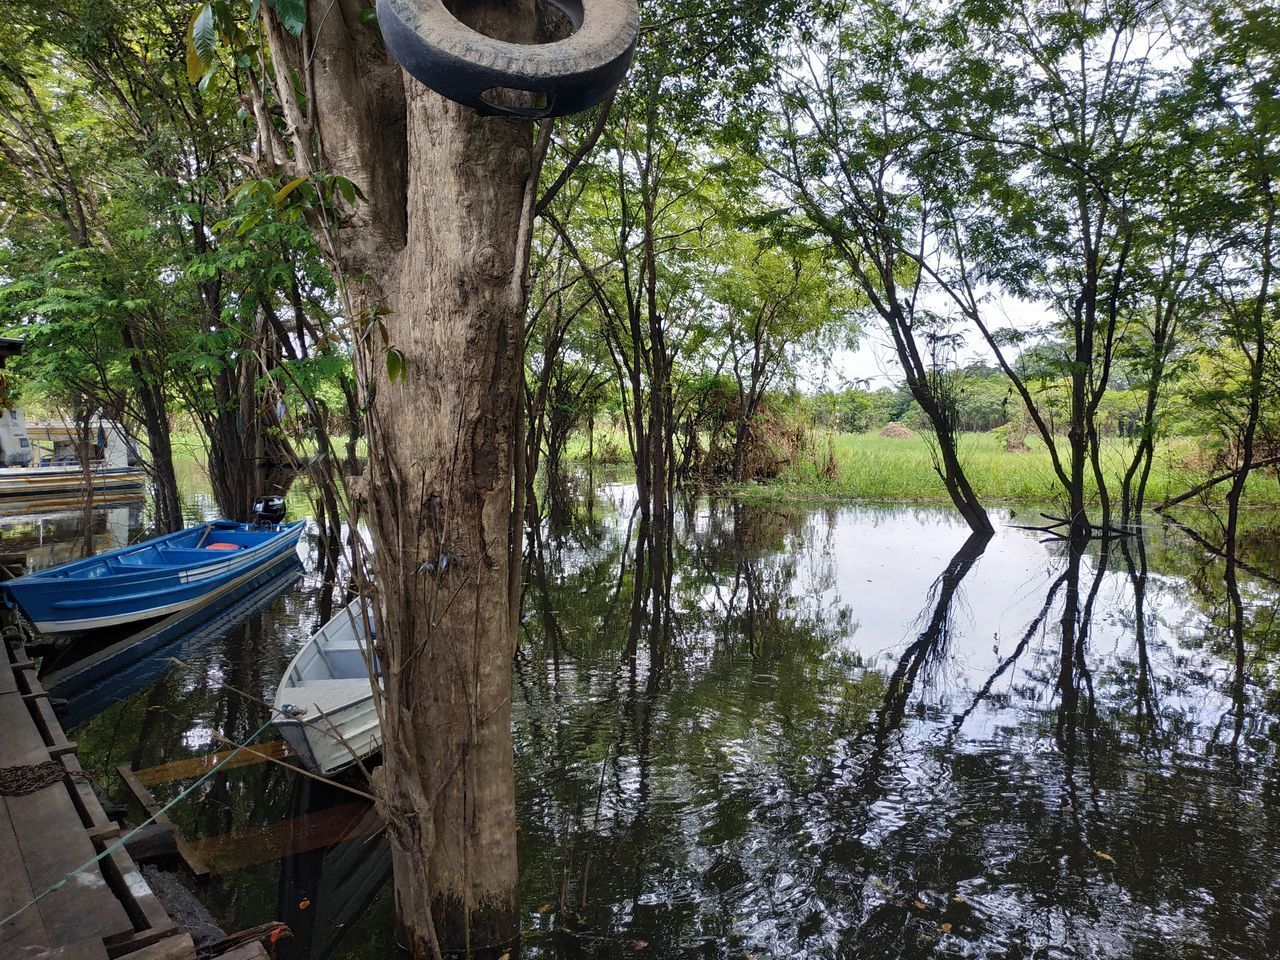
(573, 74)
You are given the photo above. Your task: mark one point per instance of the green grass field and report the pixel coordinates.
(872, 467)
(875, 468)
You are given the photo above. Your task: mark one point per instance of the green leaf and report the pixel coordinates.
(368, 15)
(283, 193)
(202, 41)
(249, 223)
(292, 14)
(203, 85)
(346, 188)
(238, 189)
(395, 365)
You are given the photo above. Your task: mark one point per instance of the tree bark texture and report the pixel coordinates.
(441, 488)
(433, 265)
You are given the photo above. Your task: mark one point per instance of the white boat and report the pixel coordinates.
(324, 704)
(26, 472)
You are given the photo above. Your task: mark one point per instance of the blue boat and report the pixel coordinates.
(150, 579)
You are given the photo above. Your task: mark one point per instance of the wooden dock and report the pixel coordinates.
(104, 912)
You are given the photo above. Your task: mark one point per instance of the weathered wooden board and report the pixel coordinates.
(21, 743)
(90, 949)
(176, 947)
(246, 951)
(102, 912)
(15, 892)
(53, 843)
(194, 864)
(8, 683)
(192, 767)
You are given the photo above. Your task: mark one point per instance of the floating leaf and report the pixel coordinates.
(920, 905)
(1104, 856)
(304, 903)
(944, 927)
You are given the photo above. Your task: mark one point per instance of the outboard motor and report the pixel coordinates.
(268, 510)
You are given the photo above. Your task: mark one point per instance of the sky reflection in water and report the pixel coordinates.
(865, 737)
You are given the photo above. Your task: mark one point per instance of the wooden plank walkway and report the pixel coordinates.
(105, 911)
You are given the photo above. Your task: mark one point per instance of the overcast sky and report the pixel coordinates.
(874, 363)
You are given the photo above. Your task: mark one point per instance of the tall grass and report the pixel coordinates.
(868, 466)
(872, 467)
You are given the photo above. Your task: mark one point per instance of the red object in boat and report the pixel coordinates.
(222, 546)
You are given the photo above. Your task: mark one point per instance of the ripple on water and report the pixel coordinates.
(826, 757)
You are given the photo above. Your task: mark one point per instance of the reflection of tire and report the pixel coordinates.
(464, 65)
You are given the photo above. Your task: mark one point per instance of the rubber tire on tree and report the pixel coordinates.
(573, 74)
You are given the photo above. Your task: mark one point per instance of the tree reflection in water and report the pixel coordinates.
(836, 732)
(780, 781)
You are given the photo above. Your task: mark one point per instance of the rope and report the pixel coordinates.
(22, 780)
(128, 836)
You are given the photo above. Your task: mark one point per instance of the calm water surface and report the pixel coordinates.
(864, 737)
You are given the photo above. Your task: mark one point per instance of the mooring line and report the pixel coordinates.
(182, 795)
(333, 733)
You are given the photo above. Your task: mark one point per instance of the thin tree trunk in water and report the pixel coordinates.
(1133, 491)
(947, 463)
(1258, 361)
(86, 475)
(1078, 434)
(1235, 495)
(447, 544)
(164, 479)
(948, 466)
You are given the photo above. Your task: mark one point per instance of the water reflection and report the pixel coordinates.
(872, 737)
(833, 732)
(336, 860)
(49, 533)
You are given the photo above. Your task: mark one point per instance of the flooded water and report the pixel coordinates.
(864, 736)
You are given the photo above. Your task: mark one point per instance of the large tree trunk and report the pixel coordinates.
(441, 475)
(435, 259)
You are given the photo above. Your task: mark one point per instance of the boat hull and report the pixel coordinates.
(312, 739)
(105, 592)
(69, 480)
(324, 704)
